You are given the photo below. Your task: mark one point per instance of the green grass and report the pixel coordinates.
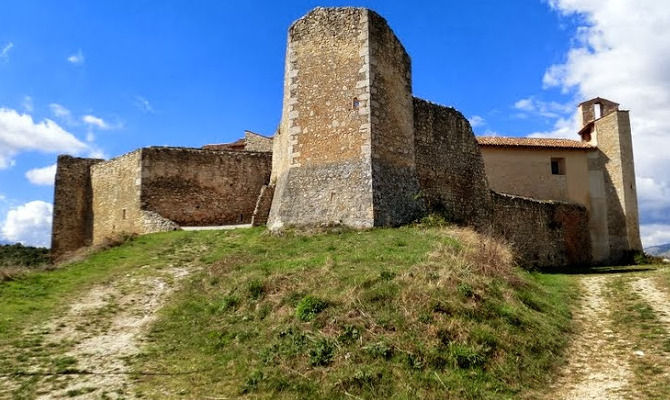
(414, 312)
(637, 320)
(387, 313)
(30, 299)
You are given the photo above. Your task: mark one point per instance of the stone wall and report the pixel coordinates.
(72, 225)
(116, 197)
(543, 233)
(195, 187)
(322, 151)
(255, 142)
(263, 204)
(449, 165)
(394, 181)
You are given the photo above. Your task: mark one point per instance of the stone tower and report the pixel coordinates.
(614, 221)
(344, 153)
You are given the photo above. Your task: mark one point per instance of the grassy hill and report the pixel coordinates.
(414, 312)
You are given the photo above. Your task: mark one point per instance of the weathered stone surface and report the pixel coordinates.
(72, 226)
(394, 182)
(322, 168)
(263, 204)
(116, 196)
(345, 146)
(194, 187)
(449, 165)
(543, 233)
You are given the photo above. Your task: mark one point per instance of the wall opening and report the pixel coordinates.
(123, 213)
(558, 166)
(355, 103)
(597, 110)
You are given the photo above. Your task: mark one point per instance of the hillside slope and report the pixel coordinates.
(662, 250)
(415, 312)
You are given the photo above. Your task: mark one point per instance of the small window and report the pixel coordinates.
(355, 103)
(558, 166)
(123, 214)
(597, 110)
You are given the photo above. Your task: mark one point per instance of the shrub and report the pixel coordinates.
(309, 307)
(322, 353)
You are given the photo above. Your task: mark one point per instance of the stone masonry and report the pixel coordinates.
(72, 226)
(355, 148)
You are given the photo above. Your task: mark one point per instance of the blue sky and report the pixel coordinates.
(104, 78)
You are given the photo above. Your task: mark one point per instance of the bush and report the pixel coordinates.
(322, 354)
(309, 307)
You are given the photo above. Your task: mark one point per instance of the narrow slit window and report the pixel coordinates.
(123, 213)
(355, 103)
(558, 166)
(597, 110)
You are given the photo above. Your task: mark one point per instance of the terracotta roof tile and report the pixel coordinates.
(533, 142)
(237, 145)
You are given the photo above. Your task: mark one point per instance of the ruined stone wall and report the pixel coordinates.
(394, 181)
(195, 187)
(72, 225)
(543, 233)
(322, 152)
(449, 165)
(116, 197)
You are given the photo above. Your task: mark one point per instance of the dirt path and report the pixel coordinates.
(659, 300)
(91, 343)
(599, 366)
(618, 349)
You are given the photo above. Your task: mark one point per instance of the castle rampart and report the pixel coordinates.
(322, 150)
(72, 226)
(194, 187)
(355, 148)
(445, 144)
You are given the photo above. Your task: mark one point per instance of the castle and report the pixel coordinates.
(355, 148)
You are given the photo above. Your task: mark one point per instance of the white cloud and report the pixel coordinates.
(27, 104)
(42, 176)
(654, 234)
(4, 51)
(620, 53)
(563, 128)
(18, 132)
(143, 105)
(548, 109)
(477, 121)
(60, 111)
(94, 121)
(29, 224)
(76, 58)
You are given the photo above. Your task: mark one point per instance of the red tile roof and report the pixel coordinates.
(238, 145)
(533, 142)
